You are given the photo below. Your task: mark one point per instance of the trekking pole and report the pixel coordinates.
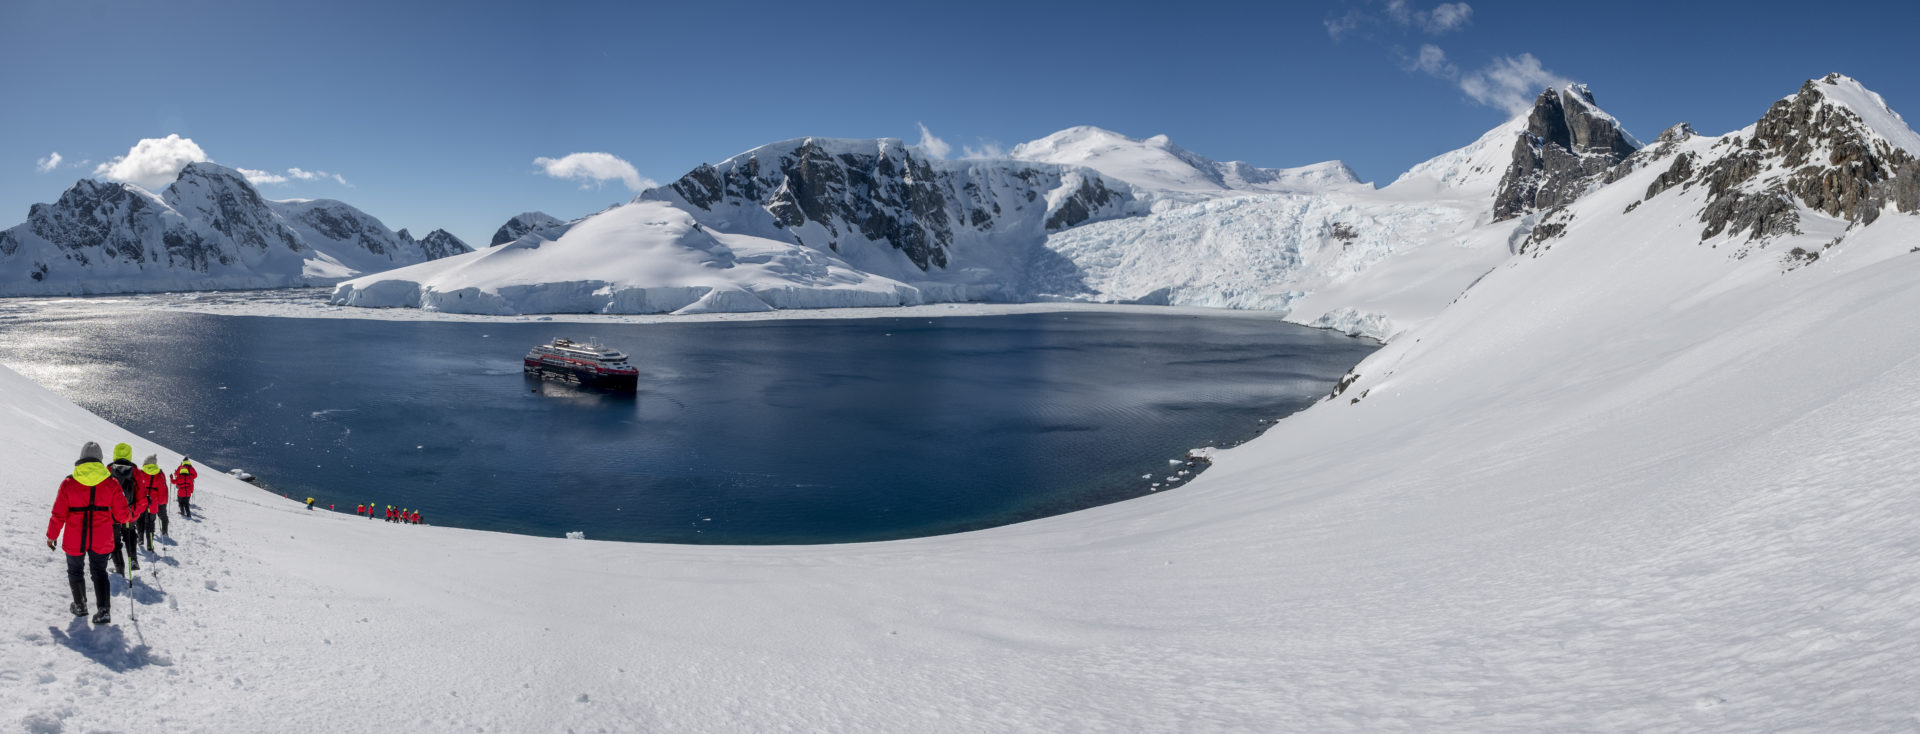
(132, 574)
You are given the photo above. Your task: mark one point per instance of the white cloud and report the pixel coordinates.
(1433, 61)
(1399, 17)
(1510, 83)
(1446, 17)
(48, 163)
(595, 169)
(306, 175)
(986, 150)
(257, 177)
(153, 162)
(934, 146)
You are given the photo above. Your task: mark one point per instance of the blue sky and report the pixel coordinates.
(433, 115)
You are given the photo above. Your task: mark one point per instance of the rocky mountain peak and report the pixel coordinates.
(843, 195)
(1832, 147)
(1678, 133)
(441, 243)
(521, 224)
(1569, 145)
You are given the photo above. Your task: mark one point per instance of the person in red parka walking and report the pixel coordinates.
(153, 490)
(123, 470)
(87, 512)
(183, 485)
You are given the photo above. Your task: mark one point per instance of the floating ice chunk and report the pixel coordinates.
(576, 535)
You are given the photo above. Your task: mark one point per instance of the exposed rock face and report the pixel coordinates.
(1569, 146)
(521, 224)
(208, 229)
(438, 244)
(1813, 149)
(839, 193)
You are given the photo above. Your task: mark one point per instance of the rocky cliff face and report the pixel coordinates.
(1569, 146)
(437, 244)
(208, 229)
(521, 224)
(842, 195)
(1833, 148)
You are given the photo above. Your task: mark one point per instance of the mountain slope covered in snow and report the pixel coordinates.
(1088, 214)
(209, 229)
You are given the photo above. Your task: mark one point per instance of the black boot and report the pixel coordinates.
(102, 616)
(79, 608)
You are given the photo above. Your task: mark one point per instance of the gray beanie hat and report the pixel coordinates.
(90, 452)
(152, 459)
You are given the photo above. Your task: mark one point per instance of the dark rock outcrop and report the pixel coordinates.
(1568, 147)
(522, 224)
(438, 244)
(1809, 150)
(880, 191)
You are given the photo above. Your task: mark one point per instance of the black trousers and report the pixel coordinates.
(163, 518)
(144, 526)
(185, 511)
(124, 540)
(97, 564)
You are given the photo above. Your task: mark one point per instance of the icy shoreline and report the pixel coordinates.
(311, 303)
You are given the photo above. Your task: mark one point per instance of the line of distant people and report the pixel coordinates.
(402, 515)
(102, 521)
(399, 516)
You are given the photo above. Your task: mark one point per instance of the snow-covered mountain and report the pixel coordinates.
(645, 257)
(890, 210)
(208, 229)
(1086, 214)
(1651, 471)
(521, 224)
(1157, 165)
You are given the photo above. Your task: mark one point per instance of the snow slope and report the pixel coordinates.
(1630, 480)
(644, 257)
(1560, 504)
(1157, 165)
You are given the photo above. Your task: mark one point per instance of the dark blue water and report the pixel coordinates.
(760, 432)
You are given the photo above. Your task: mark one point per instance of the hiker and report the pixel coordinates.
(153, 489)
(183, 485)
(359, 509)
(370, 510)
(309, 504)
(416, 517)
(87, 515)
(125, 535)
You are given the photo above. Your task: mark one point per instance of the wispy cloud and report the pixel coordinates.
(985, 150)
(258, 177)
(47, 164)
(1446, 17)
(1432, 60)
(1510, 83)
(306, 175)
(594, 169)
(153, 163)
(1399, 17)
(931, 143)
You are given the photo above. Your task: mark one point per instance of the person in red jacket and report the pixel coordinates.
(153, 489)
(416, 517)
(86, 513)
(183, 485)
(123, 469)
